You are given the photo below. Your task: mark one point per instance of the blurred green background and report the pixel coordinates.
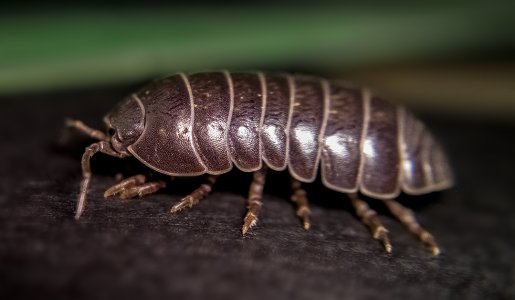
(449, 56)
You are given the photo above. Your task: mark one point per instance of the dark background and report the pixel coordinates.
(453, 63)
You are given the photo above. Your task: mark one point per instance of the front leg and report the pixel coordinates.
(86, 130)
(124, 185)
(91, 150)
(134, 186)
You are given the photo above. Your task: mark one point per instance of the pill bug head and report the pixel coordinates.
(125, 123)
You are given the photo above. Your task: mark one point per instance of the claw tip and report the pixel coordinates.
(307, 225)
(388, 248)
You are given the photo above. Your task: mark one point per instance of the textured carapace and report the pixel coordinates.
(208, 122)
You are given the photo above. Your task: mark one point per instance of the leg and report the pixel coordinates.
(198, 194)
(300, 199)
(134, 186)
(142, 190)
(406, 217)
(91, 150)
(125, 184)
(369, 217)
(254, 200)
(92, 133)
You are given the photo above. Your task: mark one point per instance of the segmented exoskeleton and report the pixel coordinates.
(206, 123)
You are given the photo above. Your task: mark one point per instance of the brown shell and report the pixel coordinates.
(206, 122)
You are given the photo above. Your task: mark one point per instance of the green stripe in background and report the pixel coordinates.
(48, 50)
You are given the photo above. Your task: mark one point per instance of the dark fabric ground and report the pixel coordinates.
(136, 249)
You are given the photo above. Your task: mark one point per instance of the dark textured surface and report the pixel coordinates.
(137, 249)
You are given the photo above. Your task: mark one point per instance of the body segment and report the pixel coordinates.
(166, 144)
(309, 116)
(212, 105)
(246, 120)
(276, 124)
(342, 148)
(381, 157)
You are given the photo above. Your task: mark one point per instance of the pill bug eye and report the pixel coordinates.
(111, 131)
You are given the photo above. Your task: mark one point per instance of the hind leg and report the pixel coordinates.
(407, 218)
(369, 217)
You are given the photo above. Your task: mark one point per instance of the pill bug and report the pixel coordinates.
(206, 123)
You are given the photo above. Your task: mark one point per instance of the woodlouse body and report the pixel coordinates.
(209, 122)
